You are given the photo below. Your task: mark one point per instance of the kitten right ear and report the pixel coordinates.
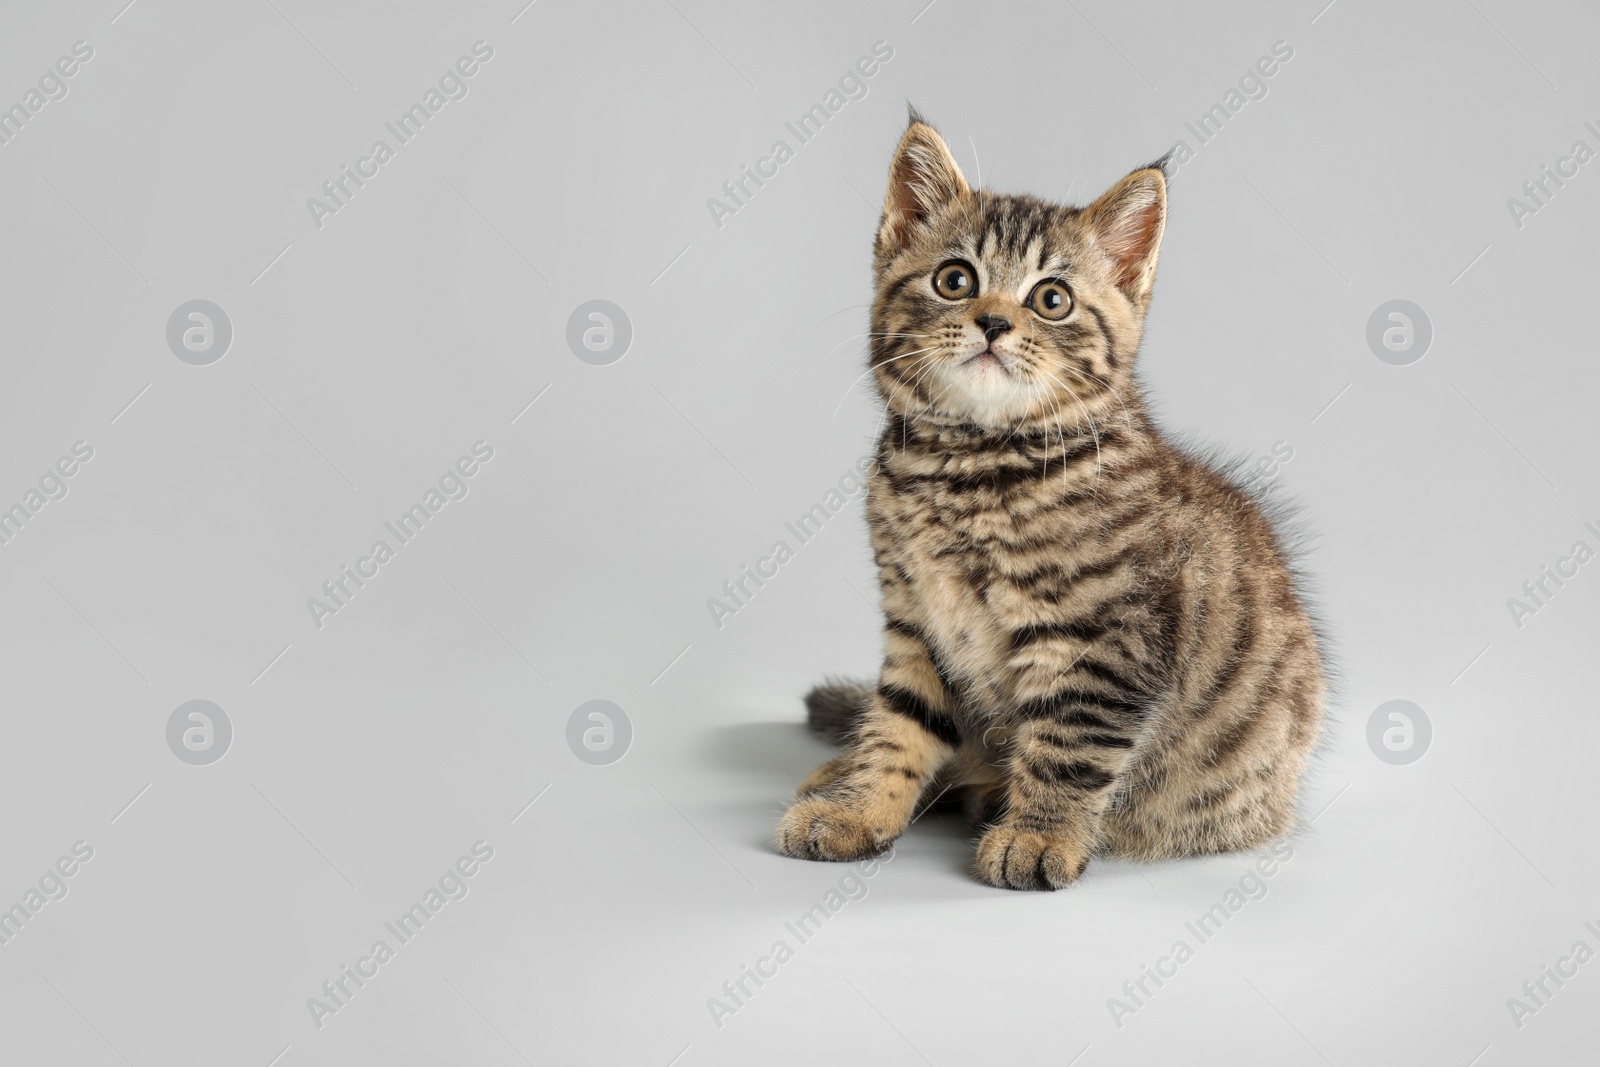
(922, 179)
(1128, 222)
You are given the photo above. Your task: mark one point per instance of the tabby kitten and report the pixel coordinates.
(1091, 632)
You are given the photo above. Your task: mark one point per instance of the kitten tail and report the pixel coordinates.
(833, 707)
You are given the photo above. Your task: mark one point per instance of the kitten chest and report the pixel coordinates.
(950, 558)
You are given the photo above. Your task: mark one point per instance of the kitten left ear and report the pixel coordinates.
(1127, 222)
(922, 179)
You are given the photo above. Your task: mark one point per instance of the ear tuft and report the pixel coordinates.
(923, 178)
(1127, 222)
(1164, 164)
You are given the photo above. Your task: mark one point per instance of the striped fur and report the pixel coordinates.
(1090, 630)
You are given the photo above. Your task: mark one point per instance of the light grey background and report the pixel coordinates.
(369, 354)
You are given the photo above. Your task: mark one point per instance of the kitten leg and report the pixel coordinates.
(855, 805)
(824, 776)
(1067, 757)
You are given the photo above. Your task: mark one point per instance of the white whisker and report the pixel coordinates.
(870, 370)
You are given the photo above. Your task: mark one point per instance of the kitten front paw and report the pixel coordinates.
(1009, 858)
(817, 829)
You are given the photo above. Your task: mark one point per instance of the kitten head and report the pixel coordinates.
(1008, 312)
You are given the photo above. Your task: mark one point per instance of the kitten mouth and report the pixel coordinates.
(988, 358)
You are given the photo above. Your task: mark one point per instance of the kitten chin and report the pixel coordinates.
(990, 396)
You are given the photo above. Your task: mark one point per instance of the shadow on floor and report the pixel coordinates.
(784, 752)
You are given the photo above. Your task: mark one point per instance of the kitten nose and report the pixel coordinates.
(993, 326)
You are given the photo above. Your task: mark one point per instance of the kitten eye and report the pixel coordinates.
(955, 281)
(1051, 299)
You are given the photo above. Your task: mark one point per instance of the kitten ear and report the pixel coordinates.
(1127, 222)
(923, 178)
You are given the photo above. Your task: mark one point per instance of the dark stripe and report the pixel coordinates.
(898, 284)
(1083, 718)
(1071, 700)
(1233, 739)
(1091, 740)
(1093, 626)
(1035, 229)
(1030, 579)
(1076, 773)
(903, 701)
(1243, 640)
(1110, 675)
(1211, 798)
(1073, 332)
(1104, 740)
(1111, 355)
(1003, 477)
(1125, 462)
(904, 629)
(1100, 568)
(1079, 631)
(999, 479)
(1038, 822)
(914, 632)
